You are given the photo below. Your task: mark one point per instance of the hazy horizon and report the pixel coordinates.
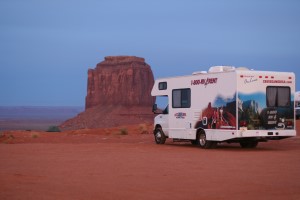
(35, 117)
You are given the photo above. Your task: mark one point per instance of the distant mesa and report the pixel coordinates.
(120, 80)
(118, 93)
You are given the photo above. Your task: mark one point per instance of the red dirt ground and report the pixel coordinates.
(104, 164)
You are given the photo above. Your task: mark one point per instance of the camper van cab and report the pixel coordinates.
(226, 104)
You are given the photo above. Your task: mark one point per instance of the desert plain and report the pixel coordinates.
(125, 163)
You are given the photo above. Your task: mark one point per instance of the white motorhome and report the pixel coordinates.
(226, 104)
(297, 104)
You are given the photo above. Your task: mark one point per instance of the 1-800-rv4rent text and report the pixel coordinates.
(226, 104)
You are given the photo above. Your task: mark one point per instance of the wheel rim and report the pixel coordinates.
(202, 139)
(158, 136)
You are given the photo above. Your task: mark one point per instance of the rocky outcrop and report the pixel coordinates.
(118, 93)
(109, 116)
(120, 80)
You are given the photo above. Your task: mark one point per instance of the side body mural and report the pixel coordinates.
(219, 114)
(252, 113)
(255, 114)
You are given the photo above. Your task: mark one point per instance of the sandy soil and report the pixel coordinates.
(108, 164)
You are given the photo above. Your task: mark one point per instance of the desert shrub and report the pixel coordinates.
(53, 129)
(143, 129)
(9, 139)
(35, 135)
(123, 131)
(11, 136)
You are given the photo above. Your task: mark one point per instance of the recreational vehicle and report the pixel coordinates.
(226, 104)
(297, 104)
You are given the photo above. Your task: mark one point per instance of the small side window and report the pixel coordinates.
(162, 85)
(181, 98)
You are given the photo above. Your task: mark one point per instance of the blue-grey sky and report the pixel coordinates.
(46, 47)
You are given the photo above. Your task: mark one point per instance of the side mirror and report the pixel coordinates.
(154, 108)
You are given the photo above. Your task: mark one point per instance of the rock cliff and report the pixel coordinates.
(120, 80)
(118, 93)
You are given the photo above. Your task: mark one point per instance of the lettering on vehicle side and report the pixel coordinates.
(271, 117)
(250, 80)
(180, 115)
(204, 82)
(277, 81)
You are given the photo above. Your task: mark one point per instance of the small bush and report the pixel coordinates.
(11, 136)
(53, 129)
(123, 131)
(9, 139)
(35, 135)
(143, 129)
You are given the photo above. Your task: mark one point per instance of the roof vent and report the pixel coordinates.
(200, 72)
(217, 69)
(242, 69)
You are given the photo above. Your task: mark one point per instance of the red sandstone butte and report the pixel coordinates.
(118, 93)
(120, 80)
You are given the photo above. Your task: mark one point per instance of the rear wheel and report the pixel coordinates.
(203, 143)
(249, 143)
(195, 142)
(214, 144)
(159, 136)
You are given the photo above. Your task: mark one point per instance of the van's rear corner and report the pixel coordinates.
(265, 106)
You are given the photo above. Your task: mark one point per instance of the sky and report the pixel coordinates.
(47, 47)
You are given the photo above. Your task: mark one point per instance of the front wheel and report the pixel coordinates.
(159, 136)
(203, 143)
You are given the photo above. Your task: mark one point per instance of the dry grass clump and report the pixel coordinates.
(35, 135)
(143, 129)
(120, 131)
(7, 139)
(123, 131)
(53, 129)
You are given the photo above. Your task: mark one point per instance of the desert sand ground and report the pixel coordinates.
(108, 164)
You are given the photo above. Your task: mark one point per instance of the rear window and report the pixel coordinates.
(278, 96)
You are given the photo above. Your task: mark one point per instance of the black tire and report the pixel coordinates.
(195, 142)
(214, 145)
(203, 143)
(159, 136)
(248, 144)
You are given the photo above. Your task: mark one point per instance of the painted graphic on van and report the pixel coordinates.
(256, 111)
(266, 111)
(219, 114)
